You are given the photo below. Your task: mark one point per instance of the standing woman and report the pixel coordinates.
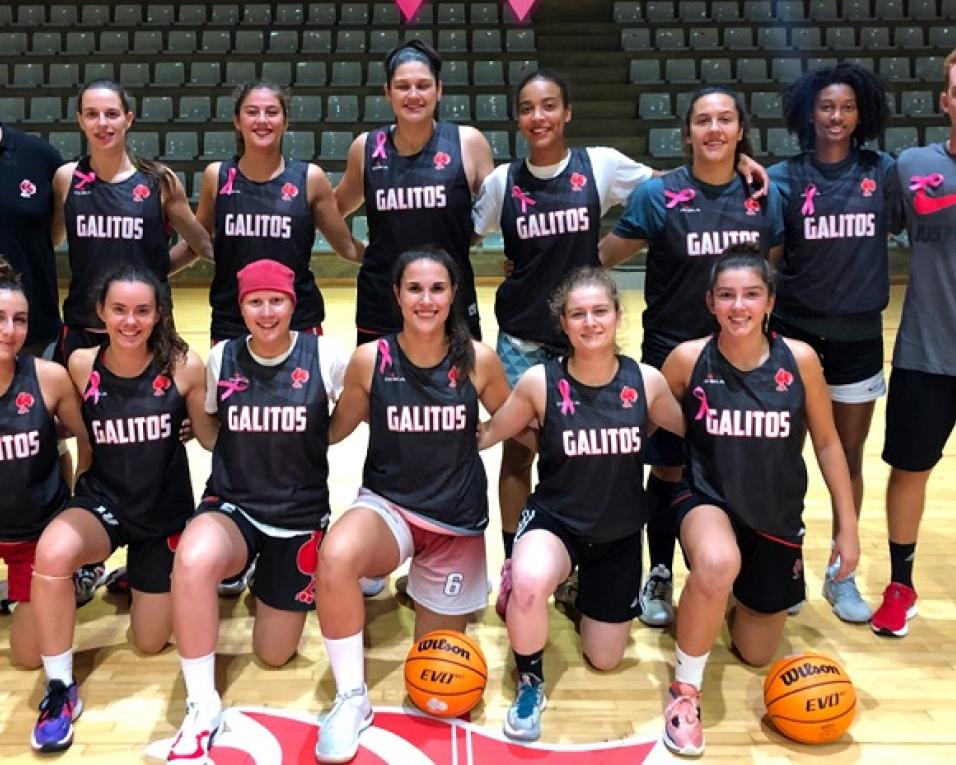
(749, 397)
(114, 207)
(424, 491)
(840, 202)
(261, 205)
(34, 392)
(686, 218)
(593, 408)
(267, 495)
(137, 390)
(417, 178)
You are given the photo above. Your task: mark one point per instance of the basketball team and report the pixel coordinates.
(764, 293)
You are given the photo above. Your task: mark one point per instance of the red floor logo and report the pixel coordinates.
(258, 736)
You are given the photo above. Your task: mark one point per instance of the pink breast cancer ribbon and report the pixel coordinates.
(931, 181)
(408, 7)
(380, 139)
(675, 198)
(521, 8)
(226, 189)
(234, 384)
(525, 199)
(386, 354)
(567, 405)
(93, 391)
(84, 178)
(808, 194)
(701, 396)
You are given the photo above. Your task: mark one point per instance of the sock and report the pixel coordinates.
(901, 563)
(59, 667)
(661, 534)
(347, 659)
(508, 539)
(689, 669)
(199, 676)
(531, 664)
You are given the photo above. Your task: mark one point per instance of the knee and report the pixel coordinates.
(602, 658)
(754, 656)
(196, 561)
(714, 569)
(56, 556)
(529, 588)
(272, 658)
(148, 644)
(337, 561)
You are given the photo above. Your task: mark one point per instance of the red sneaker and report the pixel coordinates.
(897, 608)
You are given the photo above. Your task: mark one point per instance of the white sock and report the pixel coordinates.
(200, 678)
(347, 659)
(689, 669)
(59, 667)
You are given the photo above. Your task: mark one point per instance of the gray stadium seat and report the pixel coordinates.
(484, 13)
(46, 109)
(645, 71)
(942, 38)
(772, 38)
(716, 70)
(692, 11)
(101, 70)
(790, 10)
(680, 70)
(63, 16)
(518, 69)
(636, 39)
(335, 144)
(924, 10)
(143, 144)
(68, 144)
(456, 108)
(765, 105)
(521, 152)
(346, 74)
(225, 108)
(238, 72)
(382, 40)
(192, 15)
(194, 109)
(355, 14)
(899, 138)
(936, 134)
(806, 38)
(316, 41)
(821, 62)
(703, 38)
(486, 41)
(128, 15)
(725, 10)
(218, 144)
(350, 41)
(13, 43)
(856, 10)
(520, 41)
(284, 42)
(279, 72)
(342, 109)
(425, 35)
(145, 41)
(452, 40)
(454, 13)
(45, 44)
(181, 145)
(290, 14)
(841, 38)
(134, 75)
(780, 143)
(257, 14)
(113, 43)
(248, 41)
(917, 103)
(12, 109)
(786, 70)
(670, 38)
(322, 14)
(216, 42)
(377, 109)
(161, 15)
(659, 11)
(909, 38)
(181, 42)
(500, 144)
(4, 74)
(95, 15)
(491, 107)
(865, 61)
(895, 68)
(665, 143)
(739, 38)
(386, 15)
(752, 70)
(299, 144)
(890, 10)
(80, 43)
(454, 72)
(874, 37)
(928, 68)
(63, 76)
(947, 10)
(655, 106)
(758, 10)
(312, 73)
(624, 12)
(204, 74)
(158, 108)
(227, 15)
(823, 10)
(30, 15)
(27, 75)
(488, 73)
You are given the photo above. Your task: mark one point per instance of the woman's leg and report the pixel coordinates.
(276, 634)
(604, 642)
(755, 636)
(150, 620)
(24, 641)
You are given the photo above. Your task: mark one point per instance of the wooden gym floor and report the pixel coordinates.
(907, 702)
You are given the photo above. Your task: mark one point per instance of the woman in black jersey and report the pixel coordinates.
(840, 202)
(261, 205)
(749, 398)
(267, 497)
(137, 389)
(114, 207)
(593, 410)
(34, 392)
(417, 178)
(424, 491)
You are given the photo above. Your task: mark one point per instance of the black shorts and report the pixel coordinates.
(285, 570)
(920, 416)
(844, 361)
(771, 568)
(72, 339)
(149, 561)
(609, 573)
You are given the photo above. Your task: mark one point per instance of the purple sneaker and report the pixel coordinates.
(59, 708)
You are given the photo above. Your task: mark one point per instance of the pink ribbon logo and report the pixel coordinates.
(567, 405)
(235, 384)
(808, 194)
(931, 181)
(385, 352)
(380, 138)
(93, 388)
(84, 179)
(675, 198)
(226, 189)
(705, 409)
(525, 199)
(521, 8)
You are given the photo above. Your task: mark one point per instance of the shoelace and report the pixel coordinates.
(657, 587)
(341, 698)
(847, 587)
(528, 696)
(57, 697)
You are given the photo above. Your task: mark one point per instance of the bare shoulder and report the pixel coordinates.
(49, 373)
(80, 364)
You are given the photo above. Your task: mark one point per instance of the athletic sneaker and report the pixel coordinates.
(235, 586)
(897, 608)
(117, 582)
(7, 606)
(59, 708)
(85, 581)
(657, 609)
(339, 731)
(504, 590)
(683, 731)
(567, 593)
(371, 586)
(523, 721)
(795, 609)
(196, 735)
(845, 598)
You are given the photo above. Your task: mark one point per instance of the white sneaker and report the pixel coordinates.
(339, 730)
(196, 735)
(371, 586)
(657, 608)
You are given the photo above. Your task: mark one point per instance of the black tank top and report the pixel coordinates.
(271, 456)
(550, 227)
(591, 446)
(107, 224)
(422, 448)
(423, 199)
(745, 435)
(140, 469)
(256, 221)
(29, 464)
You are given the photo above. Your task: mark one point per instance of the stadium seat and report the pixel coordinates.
(692, 12)
(665, 143)
(841, 38)
(95, 15)
(806, 38)
(917, 103)
(725, 10)
(786, 70)
(758, 10)
(30, 15)
(204, 74)
(46, 109)
(299, 144)
(772, 38)
(181, 42)
(670, 38)
(158, 108)
(928, 68)
(169, 74)
(13, 44)
(216, 42)
(909, 38)
(45, 44)
(899, 138)
(703, 38)
(520, 41)
(290, 14)
(765, 105)
(68, 144)
(655, 106)
(456, 108)
(346, 74)
(752, 70)
(279, 72)
(386, 15)
(488, 73)
(856, 10)
(896, 68)
(680, 70)
(624, 12)
(194, 109)
(249, 41)
(355, 14)
(100, 70)
(350, 41)
(645, 71)
(636, 39)
(322, 14)
(790, 10)
(192, 15)
(63, 76)
(257, 14)
(342, 109)
(181, 146)
(316, 41)
(377, 109)
(874, 37)
(227, 15)
(218, 144)
(890, 10)
(311, 73)
(739, 38)
(27, 75)
(225, 107)
(518, 69)
(62, 16)
(145, 41)
(113, 43)
(781, 143)
(716, 70)
(238, 72)
(823, 10)
(128, 15)
(143, 144)
(486, 41)
(335, 144)
(284, 42)
(942, 38)
(454, 72)
(484, 13)
(382, 40)
(657, 11)
(452, 41)
(493, 107)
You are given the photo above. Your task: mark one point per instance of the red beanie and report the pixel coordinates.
(266, 275)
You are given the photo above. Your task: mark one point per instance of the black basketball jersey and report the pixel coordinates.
(262, 220)
(140, 469)
(591, 447)
(745, 435)
(422, 447)
(107, 224)
(271, 456)
(550, 227)
(33, 489)
(422, 199)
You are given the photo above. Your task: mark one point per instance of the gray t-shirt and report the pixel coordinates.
(926, 341)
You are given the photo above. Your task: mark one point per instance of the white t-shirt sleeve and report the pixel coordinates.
(486, 215)
(332, 363)
(213, 365)
(616, 175)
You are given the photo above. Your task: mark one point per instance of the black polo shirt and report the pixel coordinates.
(27, 165)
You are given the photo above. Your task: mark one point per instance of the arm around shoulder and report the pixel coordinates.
(350, 193)
(353, 404)
(663, 408)
(524, 406)
(191, 381)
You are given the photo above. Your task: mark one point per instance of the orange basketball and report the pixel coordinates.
(445, 673)
(809, 698)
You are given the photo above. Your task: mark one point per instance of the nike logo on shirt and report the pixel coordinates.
(924, 204)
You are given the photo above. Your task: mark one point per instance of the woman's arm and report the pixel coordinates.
(524, 406)
(191, 382)
(662, 408)
(493, 388)
(614, 249)
(181, 218)
(61, 187)
(327, 217)
(64, 403)
(476, 157)
(350, 193)
(352, 406)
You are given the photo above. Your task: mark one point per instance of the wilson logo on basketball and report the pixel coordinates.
(289, 192)
(808, 670)
(443, 645)
(140, 192)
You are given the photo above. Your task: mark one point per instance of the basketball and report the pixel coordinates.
(445, 673)
(809, 698)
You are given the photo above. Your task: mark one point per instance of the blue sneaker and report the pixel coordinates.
(523, 721)
(59, 708)
(845, 598)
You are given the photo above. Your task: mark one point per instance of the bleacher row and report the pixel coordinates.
(787, 11)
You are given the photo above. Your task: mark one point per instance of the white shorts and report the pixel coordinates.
(861, 392)
(448, 573)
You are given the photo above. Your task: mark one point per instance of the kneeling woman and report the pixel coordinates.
(748, 398)
(137, 389)
(594, 408)
(267, 495)
(424, 494)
